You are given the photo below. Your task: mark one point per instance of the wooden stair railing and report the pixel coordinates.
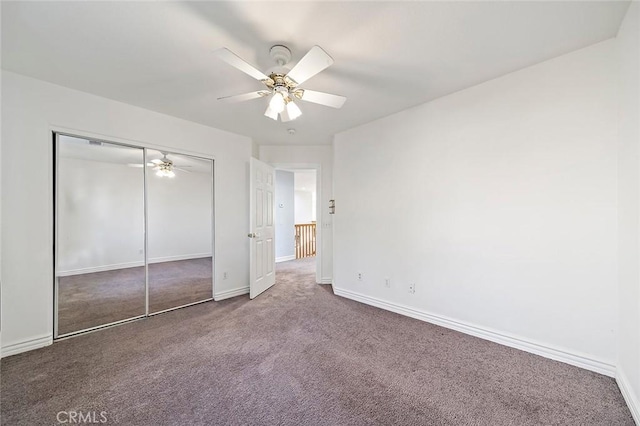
(305, 240)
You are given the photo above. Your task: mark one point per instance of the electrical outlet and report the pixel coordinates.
(412, 288)
(359, 276)
(387, 282)
(225, 275)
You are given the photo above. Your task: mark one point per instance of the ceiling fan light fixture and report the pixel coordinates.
(293, 110)
(271, 113)
(277, 102)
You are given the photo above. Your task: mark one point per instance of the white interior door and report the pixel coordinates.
(262, 228)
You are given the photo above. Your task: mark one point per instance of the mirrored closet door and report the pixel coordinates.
(100, 269)
(134, 232)
(180, 211)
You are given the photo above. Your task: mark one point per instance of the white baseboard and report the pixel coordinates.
(113, 267)
(325, 280)
(629, 395)
(179, 257)
(227, 294)
(557, 354)
(27, 345)
(285, 258)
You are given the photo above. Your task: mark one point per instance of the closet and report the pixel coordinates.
(133, 232)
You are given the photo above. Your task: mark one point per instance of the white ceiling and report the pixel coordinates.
(388, 55)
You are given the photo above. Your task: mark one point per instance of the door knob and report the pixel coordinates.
(251, 235)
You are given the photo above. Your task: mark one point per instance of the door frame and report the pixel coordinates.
(319, 208)
(54, 131)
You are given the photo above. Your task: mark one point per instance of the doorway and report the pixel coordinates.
(133, 232)
(296, 216)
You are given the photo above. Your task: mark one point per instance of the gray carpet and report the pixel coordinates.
(298, 355)
(90, 300)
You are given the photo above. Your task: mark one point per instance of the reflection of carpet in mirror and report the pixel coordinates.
(90, 300)
(178, 283)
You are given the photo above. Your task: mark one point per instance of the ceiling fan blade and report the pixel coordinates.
(236, 61)
(134, 165)
(327, 99)
(156, 161)
(245, 96)
(311, 64)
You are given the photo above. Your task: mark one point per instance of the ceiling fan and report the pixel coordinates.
(163, 167)
(282, 83)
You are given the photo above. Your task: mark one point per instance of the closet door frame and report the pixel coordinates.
(55, 132)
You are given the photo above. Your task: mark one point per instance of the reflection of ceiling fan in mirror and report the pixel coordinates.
(164, 167)
(282, 82)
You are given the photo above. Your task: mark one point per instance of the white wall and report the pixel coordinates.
(499, 203)
(285, 223)
(304, 157)
(304, 207)
(628, 44)
(30, 110)
(1, 236)
(305, 196)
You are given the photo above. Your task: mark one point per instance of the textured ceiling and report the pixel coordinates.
(388, 56)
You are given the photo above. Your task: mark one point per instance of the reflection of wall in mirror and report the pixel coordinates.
(180, 215)
(100, 216)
